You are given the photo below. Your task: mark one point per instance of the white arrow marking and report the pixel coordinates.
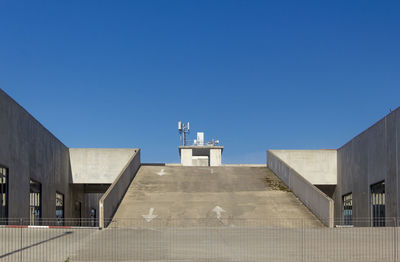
(161, 173)
(218, 211)
(150, 215)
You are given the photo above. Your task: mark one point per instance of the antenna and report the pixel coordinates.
(183, 130)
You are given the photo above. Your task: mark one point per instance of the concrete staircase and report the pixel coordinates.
(191, 196)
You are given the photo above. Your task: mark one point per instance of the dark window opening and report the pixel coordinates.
(92, 217)
(348, 209)
(3, 194)
(60, 208)
(35, 207)
(378, 204)
(78, 212)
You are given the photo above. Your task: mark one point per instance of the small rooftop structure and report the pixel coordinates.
(201, 154)
(206, 155)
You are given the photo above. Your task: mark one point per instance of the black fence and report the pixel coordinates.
(78, 222)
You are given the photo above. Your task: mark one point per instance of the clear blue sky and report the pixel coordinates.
(257, 75)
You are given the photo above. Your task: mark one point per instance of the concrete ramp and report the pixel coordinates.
(192, 195)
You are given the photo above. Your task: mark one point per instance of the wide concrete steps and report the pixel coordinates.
(210, 196)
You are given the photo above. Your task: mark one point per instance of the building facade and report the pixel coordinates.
(368, 183)
(361, 178)
(35, 169)
(41, 179)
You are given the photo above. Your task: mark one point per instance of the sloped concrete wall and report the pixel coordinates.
(110, 201)
(320, 204)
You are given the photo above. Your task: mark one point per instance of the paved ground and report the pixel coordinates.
(191, 194)
(308, 244)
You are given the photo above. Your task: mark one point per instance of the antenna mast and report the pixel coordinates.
(183, 130)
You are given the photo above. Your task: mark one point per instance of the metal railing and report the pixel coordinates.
(50, 222)
(208, 239)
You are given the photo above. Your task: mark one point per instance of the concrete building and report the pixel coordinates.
(205, 155)
(369, 176)
(41, 178)
(200, 153)
(34, 164)
(362, 177)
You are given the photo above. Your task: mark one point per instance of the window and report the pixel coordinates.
(348, 209)
(59, 208)
(378, 204)
(35, 207)
(3, 194)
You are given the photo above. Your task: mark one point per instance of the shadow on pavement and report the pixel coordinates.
(36, 244)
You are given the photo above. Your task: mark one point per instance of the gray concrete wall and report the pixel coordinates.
(215, 157)
(109, 202)
(186, 157)
(319, 167)
(319, 204)
(98, 165)
(29, 150)
(370, 157)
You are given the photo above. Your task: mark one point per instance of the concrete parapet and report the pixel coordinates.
(109, 203)
(98, 165)
(314, 199)
(319, 167)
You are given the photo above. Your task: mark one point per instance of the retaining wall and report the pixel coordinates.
(314, 199)
(110, 201)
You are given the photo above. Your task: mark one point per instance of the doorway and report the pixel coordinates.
(378, 204)
(3, 195)
(35, 202)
